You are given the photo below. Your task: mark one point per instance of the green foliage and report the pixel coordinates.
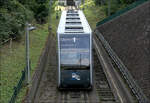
(40, 12)
(13, 62)
(115, 5)
(97, 2)
(100, 2)
(13, 16)
(40, 9)
(128, 1)
(93, 13)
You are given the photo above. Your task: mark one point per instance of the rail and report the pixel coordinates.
(124, 71)
(124, 10)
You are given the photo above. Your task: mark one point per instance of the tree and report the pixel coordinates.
(13, 16)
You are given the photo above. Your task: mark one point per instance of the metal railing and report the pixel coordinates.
(131, 6)
(124, 71)
(17, 88)
(7, 40)
(19, 85)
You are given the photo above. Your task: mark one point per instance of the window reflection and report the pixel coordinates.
(74, 50)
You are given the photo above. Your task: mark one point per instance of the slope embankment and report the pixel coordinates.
(129, 37)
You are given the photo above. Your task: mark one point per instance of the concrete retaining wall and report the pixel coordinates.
(129, 37)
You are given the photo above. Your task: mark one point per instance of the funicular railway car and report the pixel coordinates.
(74, 51)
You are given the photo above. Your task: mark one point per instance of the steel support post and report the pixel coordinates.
(27, 55)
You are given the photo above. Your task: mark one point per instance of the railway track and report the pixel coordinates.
(122, 93)
(74, 96)
(101, 83)
(48, 93)
(108, 84)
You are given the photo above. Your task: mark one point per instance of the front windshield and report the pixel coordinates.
(74, 50)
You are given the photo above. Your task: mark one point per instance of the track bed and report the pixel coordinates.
(48, 92)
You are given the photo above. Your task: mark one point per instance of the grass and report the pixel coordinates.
(55, 21)
(93, 13)
(13, 59)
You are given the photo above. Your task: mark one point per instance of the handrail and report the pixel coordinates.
(131, 6)
(124, 71)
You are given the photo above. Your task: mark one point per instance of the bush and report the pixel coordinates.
(116, 5)
(41, 13)
(40, 9)
(13, 16)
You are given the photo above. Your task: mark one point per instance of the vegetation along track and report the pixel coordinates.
(48, 93)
